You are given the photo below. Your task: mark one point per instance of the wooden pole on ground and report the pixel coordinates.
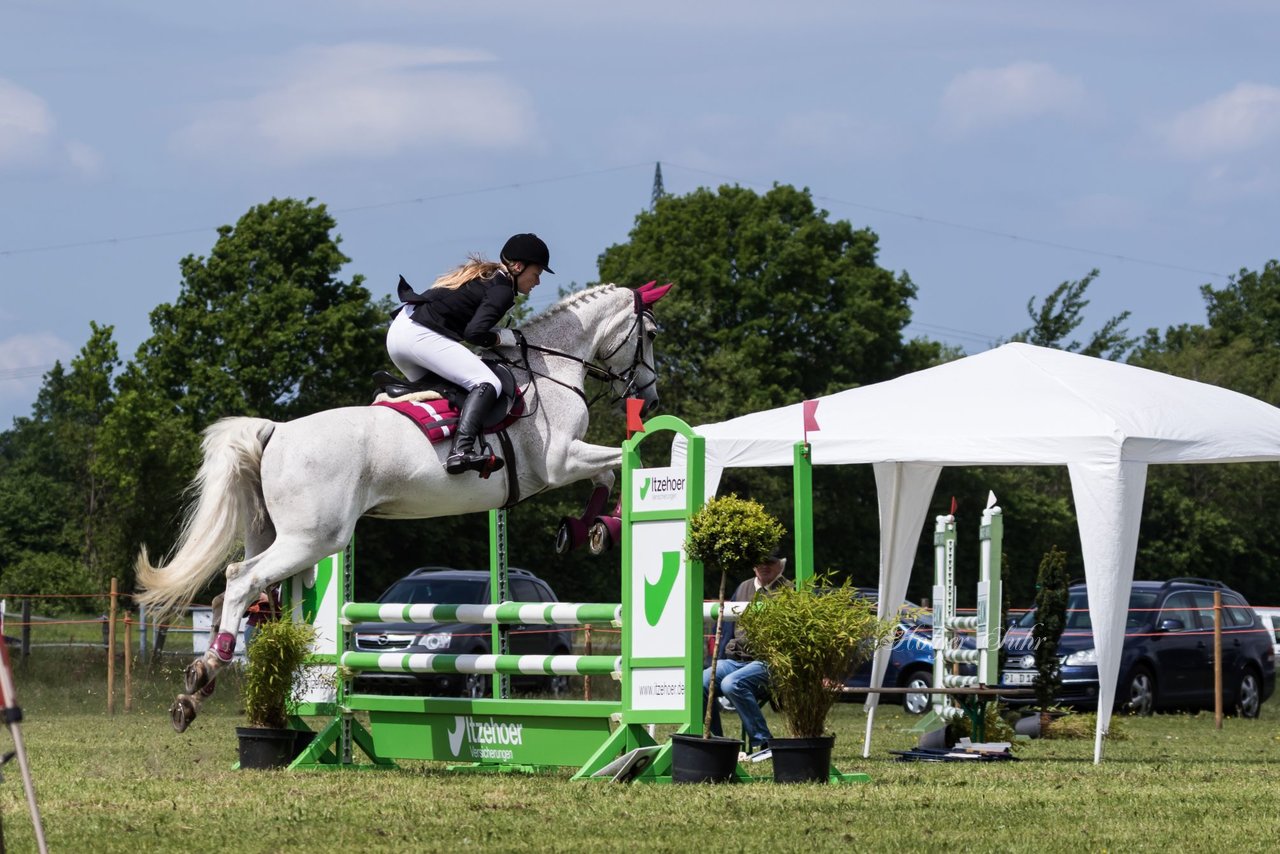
(1217, 659)
(111, 651)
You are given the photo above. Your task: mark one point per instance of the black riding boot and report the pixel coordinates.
(462, 455)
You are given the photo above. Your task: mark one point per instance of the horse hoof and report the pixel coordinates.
(196, 676)
(182, 713)
(572, 533)
(599, 539)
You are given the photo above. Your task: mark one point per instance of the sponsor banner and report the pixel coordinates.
(657, 601)
(660, 688)
(658, 489)
(484, 738)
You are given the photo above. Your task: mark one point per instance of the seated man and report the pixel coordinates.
(739, 677)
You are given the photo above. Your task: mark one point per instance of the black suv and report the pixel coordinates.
(1167, 658)
(441, 585)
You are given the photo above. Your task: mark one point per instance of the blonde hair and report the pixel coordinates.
(475, 267)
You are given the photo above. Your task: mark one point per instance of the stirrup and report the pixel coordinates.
(485, 462)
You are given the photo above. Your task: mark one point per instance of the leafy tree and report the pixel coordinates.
(773, 301)
(1061, 314)
(263, 326)
(57, 508)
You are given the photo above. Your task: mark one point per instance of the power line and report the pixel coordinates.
(951, 332)
(29, 250)
(25, 372)
(975, 228)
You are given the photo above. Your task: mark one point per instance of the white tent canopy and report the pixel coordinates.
(1015, 405)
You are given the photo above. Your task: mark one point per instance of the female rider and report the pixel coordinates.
(465, 304)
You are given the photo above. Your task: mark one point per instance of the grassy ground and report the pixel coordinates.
(127, 783)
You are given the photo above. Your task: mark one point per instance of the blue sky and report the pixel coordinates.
(997, 148)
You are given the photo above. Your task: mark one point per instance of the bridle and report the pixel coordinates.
(599, 370)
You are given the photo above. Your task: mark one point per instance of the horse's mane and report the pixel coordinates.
(548, 315)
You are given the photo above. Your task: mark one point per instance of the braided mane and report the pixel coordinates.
(570, 302)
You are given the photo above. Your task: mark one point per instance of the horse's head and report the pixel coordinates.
(629, 357)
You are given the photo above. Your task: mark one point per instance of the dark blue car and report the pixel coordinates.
(1167, 658)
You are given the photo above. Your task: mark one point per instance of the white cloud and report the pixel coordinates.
(1245, 118)
(28, 134)
(25, 123)
(366, 100)
(997, 97)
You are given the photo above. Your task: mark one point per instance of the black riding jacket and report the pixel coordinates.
(468, 313)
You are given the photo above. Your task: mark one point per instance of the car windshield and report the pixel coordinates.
(448, 591)
(1142, 603)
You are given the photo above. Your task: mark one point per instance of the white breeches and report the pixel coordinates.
(415, 349)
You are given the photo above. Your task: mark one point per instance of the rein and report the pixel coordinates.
(595, 371)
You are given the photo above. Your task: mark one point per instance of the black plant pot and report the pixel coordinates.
(802, 760)
(695, 759)
(265, 747)
(302, 740)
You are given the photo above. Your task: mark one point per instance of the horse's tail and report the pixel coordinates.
(228, 494)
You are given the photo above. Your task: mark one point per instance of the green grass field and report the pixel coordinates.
(129, 784)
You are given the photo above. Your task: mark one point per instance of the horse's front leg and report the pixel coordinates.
(577, 531)
(583, 461)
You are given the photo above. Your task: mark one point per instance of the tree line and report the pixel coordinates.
(775, 303)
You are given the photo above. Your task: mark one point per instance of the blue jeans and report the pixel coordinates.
(744, 683)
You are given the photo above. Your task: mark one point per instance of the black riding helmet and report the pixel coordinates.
(528, 248)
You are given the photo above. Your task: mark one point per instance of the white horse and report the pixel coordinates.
(293, 491)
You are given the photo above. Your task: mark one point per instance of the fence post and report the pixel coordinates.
(26, 629)
(111, 651)
(1217, 659)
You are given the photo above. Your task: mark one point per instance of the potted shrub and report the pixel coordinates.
(729, 535)
(811, 638)
(277, 656)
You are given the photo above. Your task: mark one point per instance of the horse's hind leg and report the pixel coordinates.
(200, 678)
(245, 580)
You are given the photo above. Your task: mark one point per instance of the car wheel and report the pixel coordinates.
(917, 704)
(1141, 693)
(1249, 694)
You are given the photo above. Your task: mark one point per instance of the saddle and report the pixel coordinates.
(393, 389)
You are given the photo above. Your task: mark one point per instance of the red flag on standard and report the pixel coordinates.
(810, 420)
(635, 424)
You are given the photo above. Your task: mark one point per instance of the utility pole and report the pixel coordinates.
(658, 192)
